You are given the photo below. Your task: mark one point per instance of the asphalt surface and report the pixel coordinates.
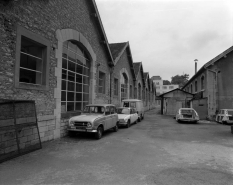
(157, 150)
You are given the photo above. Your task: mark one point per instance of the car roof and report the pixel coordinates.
(186, 109)
(103, 105)
(130, 100)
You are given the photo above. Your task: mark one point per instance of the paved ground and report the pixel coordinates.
(155, 151)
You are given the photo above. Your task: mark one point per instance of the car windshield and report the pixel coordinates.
(94, 109)
(123, 111)
(186, 111)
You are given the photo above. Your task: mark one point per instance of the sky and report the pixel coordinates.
(168, 35)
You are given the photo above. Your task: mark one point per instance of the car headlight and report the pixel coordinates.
(89, 125)
(71, 123)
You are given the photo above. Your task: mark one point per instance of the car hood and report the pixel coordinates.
(123, 116)
(86, 117)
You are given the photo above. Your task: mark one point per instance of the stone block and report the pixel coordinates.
(45, 117)
(48, 133)
(43, 139)
(52, 127)
(11, 143)
(31, 137)
(8, 136)
(42, 124)
(8, 122)
(22, 145)
(43, 129)
(51, 122)
(23, 139)
(11, 149)
(27, 132)
(35, 141)
(41, 134)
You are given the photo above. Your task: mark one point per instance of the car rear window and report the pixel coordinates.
(186, 111)
(230, 112)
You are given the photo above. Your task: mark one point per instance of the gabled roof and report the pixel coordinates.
(118, 49)
(139, 69)
(96, 16)
(161, 95)
(211, 62)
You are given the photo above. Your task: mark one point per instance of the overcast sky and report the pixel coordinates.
(168, 35)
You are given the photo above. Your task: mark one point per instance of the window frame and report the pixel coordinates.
(23, 32)
(104, 79)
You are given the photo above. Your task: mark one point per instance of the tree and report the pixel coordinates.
(180, 80)
(166, 82)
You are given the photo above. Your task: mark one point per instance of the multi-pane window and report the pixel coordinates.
(75, 77)
(31, 62)
(101, 82)
(115, 87)
(124, 87)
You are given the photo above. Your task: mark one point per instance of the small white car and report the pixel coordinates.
(95, 118)
(225, 116)
(127, 116)
(187, 115)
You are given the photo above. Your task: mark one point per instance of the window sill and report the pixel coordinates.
(32, 86)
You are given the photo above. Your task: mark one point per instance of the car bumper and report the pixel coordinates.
(188, 120)
(122, 123)
(81, 130)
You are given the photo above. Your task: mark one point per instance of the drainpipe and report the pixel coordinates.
(216, 86)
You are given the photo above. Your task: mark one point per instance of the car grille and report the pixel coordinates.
(80, 124)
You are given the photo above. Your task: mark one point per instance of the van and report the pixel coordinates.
(137, 104)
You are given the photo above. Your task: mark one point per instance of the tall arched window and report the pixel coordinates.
(124, 86)
(202, 83)
(75, 77)
(139, 92)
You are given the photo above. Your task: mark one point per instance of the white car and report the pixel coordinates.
(187, 115)
(127, 116)
(225, 116)
(95, 118)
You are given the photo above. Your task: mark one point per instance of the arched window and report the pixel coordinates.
(75, 77)
(139, 92)
(202, 83)
(124, 86)
(135, 93)
(191, 89)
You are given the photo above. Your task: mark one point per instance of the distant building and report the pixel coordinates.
(160, 88)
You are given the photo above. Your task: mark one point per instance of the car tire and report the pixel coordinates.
(128, 124)
(139, 119)
(115, 129)
(99, 133)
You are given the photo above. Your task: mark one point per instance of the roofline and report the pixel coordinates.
(211, 62)
(110, 63)
(161, 95)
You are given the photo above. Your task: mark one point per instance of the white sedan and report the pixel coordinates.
(127, 116)
(187, 115)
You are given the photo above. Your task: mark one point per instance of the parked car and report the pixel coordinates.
(95, 118)
(225, 116)
(137, 104)
(127, 116)
(187, 115)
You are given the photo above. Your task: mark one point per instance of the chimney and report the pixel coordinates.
(195, 65)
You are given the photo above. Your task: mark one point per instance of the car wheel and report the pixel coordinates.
(99, 133)
(139, 119)
(128, 124)
(115, 129)
(136, 121)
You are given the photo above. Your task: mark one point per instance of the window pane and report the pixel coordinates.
(30, 62)
(63, 96)
(31, 47)
(70, 96)
(70, 106)
(79, 59)
(86, 71)
(85, 80)
(85, 97)
(79, 69)
(72, 46)
(71, 56)
(64, 74)
(64, 63)
(71, 76)
(78, 96)
(78, 87)
(78, 106)
(63, 86)
(70, 86)
(78, 78)
(65, 52)
(86, 88)
(71, 66)
(27, 76)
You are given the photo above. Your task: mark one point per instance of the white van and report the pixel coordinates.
(137, 104)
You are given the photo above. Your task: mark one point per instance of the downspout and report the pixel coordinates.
(216, 86)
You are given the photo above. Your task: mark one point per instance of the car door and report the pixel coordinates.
(114, 117)
(108, 119)
(134, 115)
